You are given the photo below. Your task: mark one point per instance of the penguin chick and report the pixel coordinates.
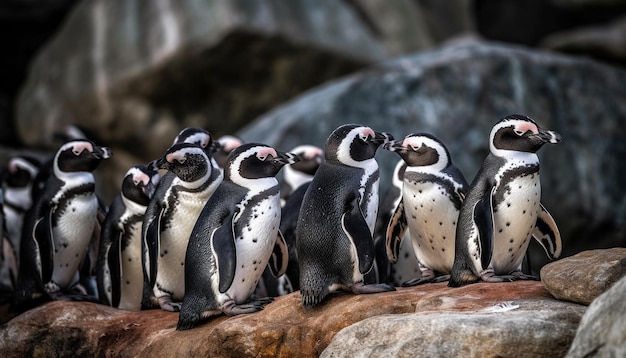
(235, 237)
(432, 192)
(334, 233)
(120, 273)
(169, 219)
(59, 226)
(502, 209)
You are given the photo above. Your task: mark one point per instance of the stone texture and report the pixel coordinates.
(602, 330)
(282, 329)
(583, 277)
(457, 93)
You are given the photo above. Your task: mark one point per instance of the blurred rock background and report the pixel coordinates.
(133, 73)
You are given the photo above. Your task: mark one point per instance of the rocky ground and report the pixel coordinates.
(507, 319)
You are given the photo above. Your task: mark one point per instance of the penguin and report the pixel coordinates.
(336, 221)
(433, 190)
(235, 237)
(406, 266)
(59, 226)
(295, 181)
(119, 269)
(169, 219)
(226, 145)
(17, 183)
(502, 209)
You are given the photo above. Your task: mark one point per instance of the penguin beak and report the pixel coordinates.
(394, 146)
(160, 163)
(286, 158)
(546, 136)
(383, 138)
(150, 188)
(102, 152)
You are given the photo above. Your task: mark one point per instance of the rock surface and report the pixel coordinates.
(602, 330)
(585, 276)
(457, 93)
(283, 329)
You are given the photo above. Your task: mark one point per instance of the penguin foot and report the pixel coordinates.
(490, 276)
(519, 275)
(232, 309)
(166, 304)
(423, 280)
(362, 288)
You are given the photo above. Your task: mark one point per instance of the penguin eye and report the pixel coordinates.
(182, 160)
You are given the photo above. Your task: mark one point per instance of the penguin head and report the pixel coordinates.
(198, 136)
(140, 183)
(20, 171)
(518, 133)
(79, 156)
(421, 150)
(187, 160)
(255, 161)
(351, 144)
(311, 157)
(226, 145)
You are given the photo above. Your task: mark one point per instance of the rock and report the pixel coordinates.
(457, 92)
(606, 41)
(282, 329)
(583, 277)
(602, 330)
(116, 68)
(535, 329)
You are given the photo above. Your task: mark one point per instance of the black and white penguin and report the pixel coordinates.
(17, 183)
(297, 174)
(169, 219)
(120, 273)
(59, 227)
(226, 145)
(334, 233)
(432, 193)
(502, 209)
(235, 237)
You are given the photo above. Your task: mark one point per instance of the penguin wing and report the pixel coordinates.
(395, 232)
(355, 227)
(43, 239)
(151, 236)
(224, 251)
(483, 222)
(280, 256)
(114, 263)
(547, 234)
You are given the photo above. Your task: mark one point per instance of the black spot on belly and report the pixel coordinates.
(130, 260)
(128, 282)
(254, 240)
(406, 255)
(440, 223)
(64, 245)
(444, 237)
(443, 249)
(511, 241)
(182, 264)
(413, 216)
(508, 224)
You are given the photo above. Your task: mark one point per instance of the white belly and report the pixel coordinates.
(514, 220)
(254, 248)
(431, 218)
(71, 238)
(132, 275)
(173, 245)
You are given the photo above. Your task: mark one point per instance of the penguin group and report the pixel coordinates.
(213, 227)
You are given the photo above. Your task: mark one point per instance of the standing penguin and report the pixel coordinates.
(17, 183)
(502, 209)
(334, 234)
(120, 273)
(169, 219)
(235, 236)
(432, 192)
(59, 226)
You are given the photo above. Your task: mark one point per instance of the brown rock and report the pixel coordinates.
(283, 329)
(583, 277)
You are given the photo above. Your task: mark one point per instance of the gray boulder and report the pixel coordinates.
(602, 330)
(457, 92)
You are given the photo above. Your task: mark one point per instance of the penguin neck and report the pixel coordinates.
(295, 178)
(516, 156)
(73, 179)
(256, 185)
(132, 207)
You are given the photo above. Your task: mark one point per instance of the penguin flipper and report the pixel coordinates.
(225, 252)
(547, 234)
(115, 269)
(395, 232)
(44, 241)
(483, 220)
(280, 256)
(152, 242)
(355, 227)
